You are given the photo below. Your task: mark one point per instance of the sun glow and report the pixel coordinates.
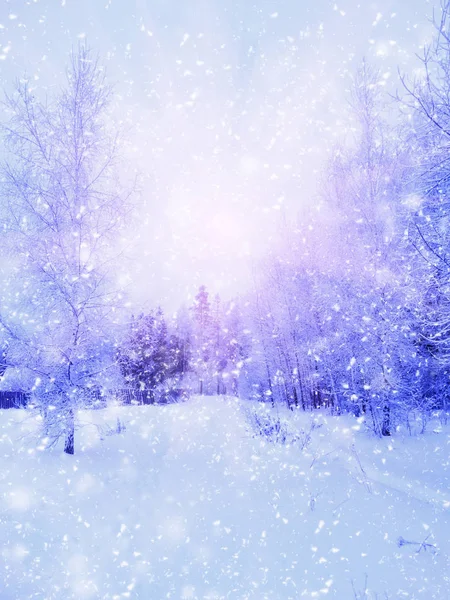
(226, 233)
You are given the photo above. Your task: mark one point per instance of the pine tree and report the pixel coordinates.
(202, 342)
(149, 356)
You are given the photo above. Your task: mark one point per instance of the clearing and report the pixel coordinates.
(188, 503)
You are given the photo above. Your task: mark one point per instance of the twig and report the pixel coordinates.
(422, 545)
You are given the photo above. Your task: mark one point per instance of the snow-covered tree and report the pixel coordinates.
(333, 316)
(236, 346)
(63, 210)
(202, 350)
(372, 281)
(427, 100)
(149, 355)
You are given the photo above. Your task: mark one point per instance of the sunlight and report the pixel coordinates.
(224, 300)
(226, 232)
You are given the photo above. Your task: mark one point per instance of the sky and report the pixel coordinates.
(231, 108)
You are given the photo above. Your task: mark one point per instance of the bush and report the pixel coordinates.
(275, 429)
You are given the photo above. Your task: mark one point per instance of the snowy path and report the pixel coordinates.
(186, 504)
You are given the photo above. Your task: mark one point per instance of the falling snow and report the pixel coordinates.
(224, 300)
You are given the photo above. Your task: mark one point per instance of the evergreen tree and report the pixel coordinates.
(150, 356)
(202, 355)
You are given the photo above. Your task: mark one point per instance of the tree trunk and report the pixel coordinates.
(386, 426)
(69, 442)
(300, 382)
(295, 396)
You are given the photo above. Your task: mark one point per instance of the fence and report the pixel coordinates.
(100, 398)
(128, 396)
(161, 396)
(13, 399)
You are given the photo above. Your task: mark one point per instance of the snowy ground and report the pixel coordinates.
(187, 504)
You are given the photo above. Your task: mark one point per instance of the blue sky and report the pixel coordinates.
(232, 107)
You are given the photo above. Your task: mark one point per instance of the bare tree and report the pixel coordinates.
(63, 214)
(427, 100)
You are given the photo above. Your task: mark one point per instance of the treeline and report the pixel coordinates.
(350, 309)
(200, 350)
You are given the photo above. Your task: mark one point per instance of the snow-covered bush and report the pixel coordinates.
(278, 429)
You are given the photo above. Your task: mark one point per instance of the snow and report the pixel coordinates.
(189, 502)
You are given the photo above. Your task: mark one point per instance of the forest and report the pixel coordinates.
(276, 435)
(348, 310)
